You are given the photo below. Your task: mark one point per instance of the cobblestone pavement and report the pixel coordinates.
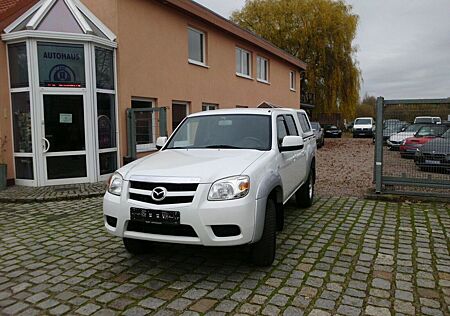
(341, 256)
(22, 194)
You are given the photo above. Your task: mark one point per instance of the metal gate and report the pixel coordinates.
(144, 125)
(412, 159)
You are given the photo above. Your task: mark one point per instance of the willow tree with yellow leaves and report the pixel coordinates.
(319, 32)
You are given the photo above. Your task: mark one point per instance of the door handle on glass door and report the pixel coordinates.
(46, 142)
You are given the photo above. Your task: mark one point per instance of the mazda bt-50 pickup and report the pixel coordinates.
(221, 179)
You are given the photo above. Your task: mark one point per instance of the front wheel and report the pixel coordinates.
(305, 195)
(263, 251)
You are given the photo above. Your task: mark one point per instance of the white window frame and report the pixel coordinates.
(210, 106)
(262, 62)
(293, 80)
(203, 35)
(243, 53)
(140, 148)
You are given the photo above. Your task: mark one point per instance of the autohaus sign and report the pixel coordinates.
(61, 65)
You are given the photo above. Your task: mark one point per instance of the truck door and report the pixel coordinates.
(289, 171)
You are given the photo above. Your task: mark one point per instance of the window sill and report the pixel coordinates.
(146, 149)
(263, 81)
(293, 90)
(244, 76)
(197, 63)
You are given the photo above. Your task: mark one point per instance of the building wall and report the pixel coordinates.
(152, 62)
(5, 112)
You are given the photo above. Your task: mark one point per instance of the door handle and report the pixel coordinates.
(46, 142)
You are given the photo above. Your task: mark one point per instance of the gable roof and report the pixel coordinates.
(12, 9)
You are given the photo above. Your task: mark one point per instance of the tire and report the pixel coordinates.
(354, 136)
(305, 195)
(136, 246)
(263, 251)
(280, 217)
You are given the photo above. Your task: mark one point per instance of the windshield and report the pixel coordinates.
(413, 128)
(234, 131)
(431, 131)
(446, 134)
(423, 120)
(363, 122)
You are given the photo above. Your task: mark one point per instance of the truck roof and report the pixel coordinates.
(260, 111)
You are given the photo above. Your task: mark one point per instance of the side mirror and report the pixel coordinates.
(292, 143)
(160, 142)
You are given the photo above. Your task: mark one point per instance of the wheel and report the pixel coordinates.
(263, 251)
(280, 217)
(354, 136)
(136, 246)
(305, 195)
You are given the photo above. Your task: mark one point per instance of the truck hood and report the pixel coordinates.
(401, 136)
(206, 165)
(359, 126)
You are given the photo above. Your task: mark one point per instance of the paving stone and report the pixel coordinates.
(404, 307)
(60, 309)
(179, 304)
(136, 311)
(226, 306)
(195, 294)
(349, 310)
(88, 309)
(377, 311)
(203, 305)
(151, 303)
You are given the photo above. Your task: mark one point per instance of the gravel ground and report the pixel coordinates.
(345, 167)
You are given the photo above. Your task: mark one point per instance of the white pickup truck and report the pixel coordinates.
(221, 179)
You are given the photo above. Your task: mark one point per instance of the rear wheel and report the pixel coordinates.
(305, 195)
(263, 251)
(136, 246)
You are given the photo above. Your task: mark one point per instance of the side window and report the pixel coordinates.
(281, 129)
(292, 128)
(304, 123)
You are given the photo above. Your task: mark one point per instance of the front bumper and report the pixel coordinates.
(201, 215)
(408, 151)
(432, 162)
(393, 144)
(363, 132)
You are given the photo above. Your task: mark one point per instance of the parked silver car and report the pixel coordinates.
(319, 133)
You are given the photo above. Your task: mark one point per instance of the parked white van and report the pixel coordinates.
(427, 119)
(363, 127)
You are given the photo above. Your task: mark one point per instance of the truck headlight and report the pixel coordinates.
(418, 152)
(403, 142)
(229, 188)
(115, 184)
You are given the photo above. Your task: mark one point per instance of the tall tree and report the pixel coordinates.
(319, 32)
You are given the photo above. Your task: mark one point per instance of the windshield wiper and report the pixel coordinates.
(224, 146)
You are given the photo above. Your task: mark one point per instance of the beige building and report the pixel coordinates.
(70, 70)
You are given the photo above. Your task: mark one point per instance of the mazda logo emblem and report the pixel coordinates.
(159, 194)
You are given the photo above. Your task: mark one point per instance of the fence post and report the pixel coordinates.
(379, 146)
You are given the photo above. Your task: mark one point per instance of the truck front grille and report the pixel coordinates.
(176, 193)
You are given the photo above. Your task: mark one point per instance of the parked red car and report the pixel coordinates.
(424, 135)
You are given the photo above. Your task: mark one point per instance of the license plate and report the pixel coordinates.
(155, 216)
(432, 162)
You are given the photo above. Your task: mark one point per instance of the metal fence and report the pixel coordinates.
(412, 154)
(144, 126)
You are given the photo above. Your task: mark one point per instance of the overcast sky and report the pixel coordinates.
(403, 45)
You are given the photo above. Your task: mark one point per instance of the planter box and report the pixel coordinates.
(2, 176)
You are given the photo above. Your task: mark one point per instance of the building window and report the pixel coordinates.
(61, 65)
(292, 80)
(18, 65)
(209, 107)
(262, 69)
(179, 111)
(104, 68)
(145, 125)
(196, 46)
(243, 65)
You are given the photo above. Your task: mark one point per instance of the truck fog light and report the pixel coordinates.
(229, 188)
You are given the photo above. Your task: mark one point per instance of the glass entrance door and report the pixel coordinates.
(64, 138)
